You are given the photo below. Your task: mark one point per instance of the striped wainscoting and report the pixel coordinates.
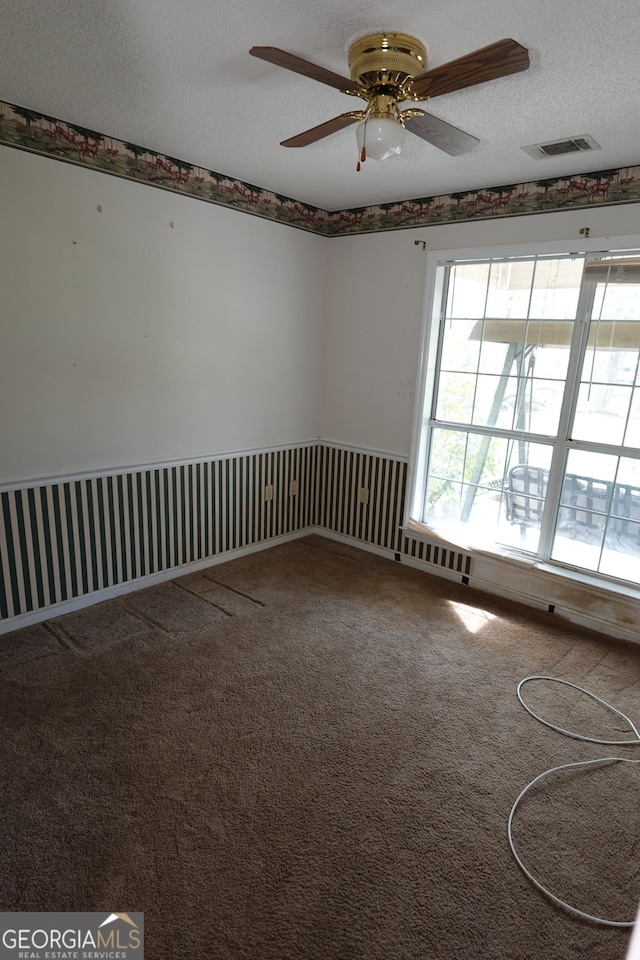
(64, 540)
(342, 474)
(439, 556)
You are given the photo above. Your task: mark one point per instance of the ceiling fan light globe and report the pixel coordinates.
(381, 136)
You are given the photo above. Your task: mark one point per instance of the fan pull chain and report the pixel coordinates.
(363, 157)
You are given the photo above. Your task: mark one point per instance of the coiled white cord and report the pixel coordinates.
(570, 733)
(582, 763)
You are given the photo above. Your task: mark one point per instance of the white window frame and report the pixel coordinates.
(427, 370)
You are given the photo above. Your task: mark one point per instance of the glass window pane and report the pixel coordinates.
(600, 508)
(524, 491)
(611, 355)
(617, 301)
(632, 434)
(609, 368)
(488, 501)
(541, 406)
(621, 553)
(629, 471)
(625, 506)
(521, 336)
(459, 350)
(552, 362)
(510, 289)
(595, 466)
(578, 551)
(448, 451)
(486, 459)
(601, 413)
(527, 490)
(587, 504)
(495, 401)
(556, 289)
(495, 356)
(443, 502)
(467, 290)
(523, 403)
(455, 397)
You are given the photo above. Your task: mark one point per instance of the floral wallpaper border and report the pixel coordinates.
(25, 129)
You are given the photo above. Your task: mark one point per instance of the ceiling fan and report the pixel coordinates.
(388, 69)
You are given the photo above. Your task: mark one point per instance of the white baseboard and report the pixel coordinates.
(108, 593)
(601, 625)
(351, 541)
(434, 568)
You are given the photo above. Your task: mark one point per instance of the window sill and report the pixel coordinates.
(522, 561)
(560, 573)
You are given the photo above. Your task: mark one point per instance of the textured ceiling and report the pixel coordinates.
(178, 78)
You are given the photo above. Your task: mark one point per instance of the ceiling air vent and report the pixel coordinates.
(561, 148)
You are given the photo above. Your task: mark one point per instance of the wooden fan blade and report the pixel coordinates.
(442, 135)
(497, 60)
(323, 130)
(290, 62)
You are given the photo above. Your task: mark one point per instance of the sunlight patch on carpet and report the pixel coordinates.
(473, 618)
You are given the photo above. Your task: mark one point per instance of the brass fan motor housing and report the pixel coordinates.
(386, 58)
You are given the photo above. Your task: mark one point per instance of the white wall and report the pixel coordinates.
(125, 341)
(375, 310)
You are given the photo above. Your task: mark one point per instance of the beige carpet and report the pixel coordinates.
(312, 753)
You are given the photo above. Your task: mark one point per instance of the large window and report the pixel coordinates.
(528, 436)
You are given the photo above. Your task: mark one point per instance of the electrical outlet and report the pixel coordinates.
(268, 492)
(363, 495)
(293, 488)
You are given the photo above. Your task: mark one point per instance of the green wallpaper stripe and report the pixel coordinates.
(45, 527)
(23, 549)
(10, 588)
(4, 611)
(68, 539)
